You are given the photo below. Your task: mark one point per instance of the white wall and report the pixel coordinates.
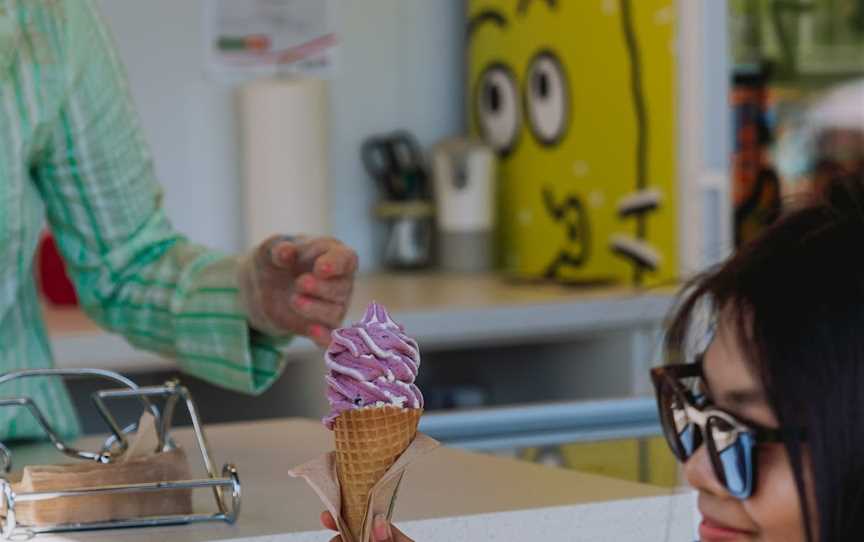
(400, 66)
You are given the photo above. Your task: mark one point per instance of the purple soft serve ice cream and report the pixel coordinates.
(372, 363)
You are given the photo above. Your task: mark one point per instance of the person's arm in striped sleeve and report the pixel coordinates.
(222, 318)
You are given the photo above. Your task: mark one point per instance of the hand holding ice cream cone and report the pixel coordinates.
(382, 530)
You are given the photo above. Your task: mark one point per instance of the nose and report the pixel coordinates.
(700, 473)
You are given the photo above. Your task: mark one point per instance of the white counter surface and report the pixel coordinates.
(449, 495)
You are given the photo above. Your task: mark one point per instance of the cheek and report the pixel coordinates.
(775, 506)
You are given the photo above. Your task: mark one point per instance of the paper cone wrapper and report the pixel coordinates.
(322, 475)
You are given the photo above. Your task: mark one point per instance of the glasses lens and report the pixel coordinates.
(683, 435)
(731, 453)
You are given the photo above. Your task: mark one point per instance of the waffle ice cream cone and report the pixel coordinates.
(368, 442)
(375, 407)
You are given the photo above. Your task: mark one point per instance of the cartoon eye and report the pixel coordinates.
(547, 98)
(498, 108)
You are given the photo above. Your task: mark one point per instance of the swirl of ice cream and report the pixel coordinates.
(371, 363)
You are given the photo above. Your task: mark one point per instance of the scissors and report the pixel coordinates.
(395, 161)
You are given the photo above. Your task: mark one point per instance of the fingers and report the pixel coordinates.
(337, 261)
(325, 257)
(381, 531)
(327, 521)
(315, 310)
(320, 335)
(279, 250)
(284, 254)
(309, 251)
(334, 290)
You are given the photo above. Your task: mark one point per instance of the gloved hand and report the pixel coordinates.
(297, 285)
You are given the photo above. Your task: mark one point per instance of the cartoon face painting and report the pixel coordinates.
(578, 99)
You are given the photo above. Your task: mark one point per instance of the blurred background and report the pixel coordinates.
(526, 182)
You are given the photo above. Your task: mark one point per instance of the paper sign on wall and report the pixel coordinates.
(247, 38)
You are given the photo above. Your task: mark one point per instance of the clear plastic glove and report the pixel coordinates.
(382, 530)
(297, 285)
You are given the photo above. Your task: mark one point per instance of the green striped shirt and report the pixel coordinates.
(72, 151)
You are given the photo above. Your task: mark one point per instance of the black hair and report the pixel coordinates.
(795, 295)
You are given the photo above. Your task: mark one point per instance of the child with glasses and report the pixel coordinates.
(764, 405)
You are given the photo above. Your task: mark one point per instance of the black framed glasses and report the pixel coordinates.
(689, 420)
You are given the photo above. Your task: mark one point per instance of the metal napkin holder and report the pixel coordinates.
(228, 504)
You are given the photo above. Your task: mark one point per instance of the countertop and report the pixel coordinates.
(441, 310)
(447, 495)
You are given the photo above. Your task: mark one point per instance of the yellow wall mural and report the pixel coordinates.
(578, 98)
